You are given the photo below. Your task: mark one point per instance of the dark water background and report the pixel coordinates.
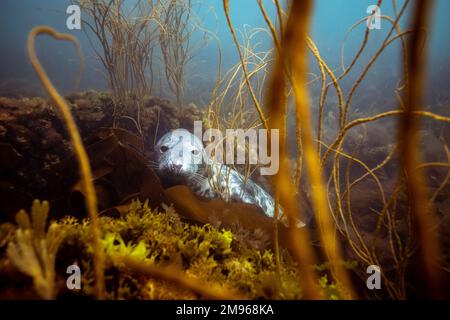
(331, 20)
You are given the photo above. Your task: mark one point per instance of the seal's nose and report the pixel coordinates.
(176, 167)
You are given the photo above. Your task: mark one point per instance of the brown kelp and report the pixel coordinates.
(293, 60)
(338, 196)
(277, 109)
(131, 39)
(231, 103)
(244, 66)
(83, 160)
(175, 43)
(374, 204)
(424, 220)
(400, 249)
(127, 51)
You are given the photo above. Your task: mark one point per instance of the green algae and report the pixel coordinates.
(162, 238)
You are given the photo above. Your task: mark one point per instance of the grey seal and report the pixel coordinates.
(181, 158)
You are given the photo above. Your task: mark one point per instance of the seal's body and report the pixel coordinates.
(181, 156)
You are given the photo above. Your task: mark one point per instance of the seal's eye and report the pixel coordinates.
(195, 152)
(164, 149)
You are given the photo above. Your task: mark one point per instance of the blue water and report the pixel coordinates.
(331, 20)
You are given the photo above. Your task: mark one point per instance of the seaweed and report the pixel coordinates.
(84, 166)
(213, 249)
(34, 249)
(131, 38)
(333, 198)
(429, 249)
(147, 252)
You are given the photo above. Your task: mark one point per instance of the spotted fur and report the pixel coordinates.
(179, 154)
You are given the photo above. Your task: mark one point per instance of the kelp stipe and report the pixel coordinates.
(276, 103)
(80, 152)
(428, 243)
(244, 66)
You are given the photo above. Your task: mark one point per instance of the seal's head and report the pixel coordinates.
(179, 155)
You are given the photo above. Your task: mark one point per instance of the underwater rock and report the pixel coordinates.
(19, 88)
(3, 131)
(32, 127)
(9, 157)
(120, 173)
(160, 116)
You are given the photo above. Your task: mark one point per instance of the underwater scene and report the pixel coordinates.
(224, 149)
